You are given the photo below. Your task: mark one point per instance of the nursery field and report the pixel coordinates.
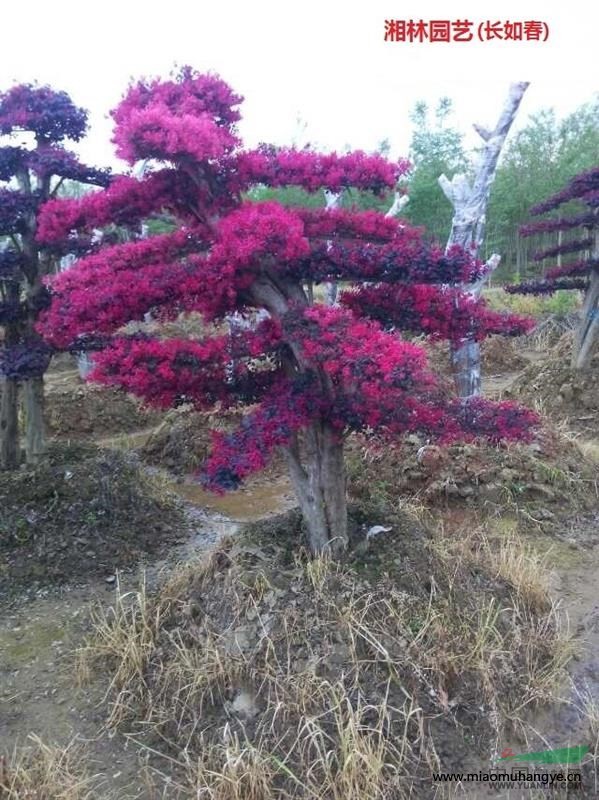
(295, 504)
(157, 638)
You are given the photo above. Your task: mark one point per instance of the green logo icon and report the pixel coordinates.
(564, 755)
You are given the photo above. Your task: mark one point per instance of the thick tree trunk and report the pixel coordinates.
(320, 486)
(317, 469)
(469, 203)
(466, 356)
(9, 425)
(586, 333)
(33, 402)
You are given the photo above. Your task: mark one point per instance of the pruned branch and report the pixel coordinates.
(469, 201)
(400, 201)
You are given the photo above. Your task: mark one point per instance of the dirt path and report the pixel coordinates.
(495, 384)
(572, 721)
(38, 691)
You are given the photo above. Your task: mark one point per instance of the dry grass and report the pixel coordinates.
(345, 760)
(521, 566)
(504, 554)
(125, 636)
(587, 705)
(589, 448)
(314, 739)
(257, 676)
(42, 772)
(537, 629)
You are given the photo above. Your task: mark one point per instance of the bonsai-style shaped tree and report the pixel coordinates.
(310, 373)
(582, 273)
(36, 120)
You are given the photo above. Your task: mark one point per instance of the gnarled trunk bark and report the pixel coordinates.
(9, 425)
(317, 472)
(586, 333)
(320, 487)
(33, 403)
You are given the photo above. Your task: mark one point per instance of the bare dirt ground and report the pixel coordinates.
(39, 691)
(38, 636)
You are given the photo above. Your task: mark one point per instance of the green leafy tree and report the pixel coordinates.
(436, 149)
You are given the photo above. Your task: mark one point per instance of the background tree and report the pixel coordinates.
(580, 201)
(436, 149)
(309, 373)
(33, 167)
(537, 161)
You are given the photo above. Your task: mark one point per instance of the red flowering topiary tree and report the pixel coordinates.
(310, 374)
(581, 245)
(32, 168)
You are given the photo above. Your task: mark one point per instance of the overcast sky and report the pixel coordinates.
(322, 60)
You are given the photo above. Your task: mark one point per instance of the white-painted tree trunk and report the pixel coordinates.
(469, 201)
(331, 291)
(400, 201)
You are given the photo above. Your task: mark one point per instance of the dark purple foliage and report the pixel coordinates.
(547, 287)
(573, 246)
(583, 187)
(14, 210)
(584, 190)
(51, 116)
(36, 167)
(562, 224)
(27, 359)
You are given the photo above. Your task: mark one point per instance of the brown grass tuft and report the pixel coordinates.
(43, 772)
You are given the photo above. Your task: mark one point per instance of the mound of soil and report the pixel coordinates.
(183, 440)
(82, 511)
(180, 443)
(563, 392)
(62, 362)
(499, 354)
(77, 410)
(550, 480)
(306, 679)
